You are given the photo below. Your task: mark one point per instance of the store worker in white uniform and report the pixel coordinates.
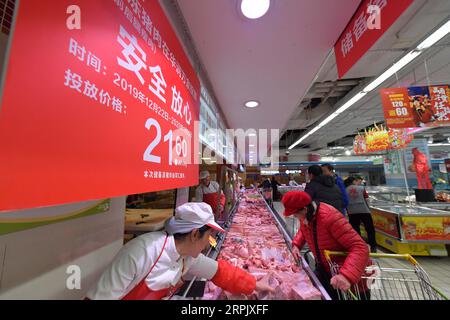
(208, 192)
(152, 266)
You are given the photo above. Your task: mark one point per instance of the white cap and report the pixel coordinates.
(204, 175)
(193, 215)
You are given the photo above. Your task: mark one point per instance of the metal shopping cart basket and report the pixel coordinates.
(386, 282)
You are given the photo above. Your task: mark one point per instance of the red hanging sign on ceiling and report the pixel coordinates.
(427, 106)
(101, 111)
(363, 31)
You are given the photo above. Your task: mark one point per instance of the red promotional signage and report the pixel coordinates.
(416, 106)
(363, 32)
(397, 111)
(101, 111)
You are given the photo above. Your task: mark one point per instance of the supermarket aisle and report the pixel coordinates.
(437, 268)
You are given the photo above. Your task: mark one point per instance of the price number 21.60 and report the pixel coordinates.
(181, 146)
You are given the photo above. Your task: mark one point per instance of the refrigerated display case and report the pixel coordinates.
(285, 189)
(411, 229)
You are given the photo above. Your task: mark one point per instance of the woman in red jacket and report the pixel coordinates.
(324, 228)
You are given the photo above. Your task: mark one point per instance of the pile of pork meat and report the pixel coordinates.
(255, 244)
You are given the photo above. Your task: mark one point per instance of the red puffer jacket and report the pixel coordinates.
(334, 233)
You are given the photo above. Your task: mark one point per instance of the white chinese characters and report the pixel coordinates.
(135, 61)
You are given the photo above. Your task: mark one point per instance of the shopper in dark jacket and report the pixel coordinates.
(323, 188)
(328, 170)
(275, 185)
(266, 184)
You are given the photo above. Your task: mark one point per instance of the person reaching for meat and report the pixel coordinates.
(152, 266)
(324, 228)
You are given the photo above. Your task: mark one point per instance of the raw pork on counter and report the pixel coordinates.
(255, 244)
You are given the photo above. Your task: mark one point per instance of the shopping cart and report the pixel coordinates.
(267, 194)
(386, 282)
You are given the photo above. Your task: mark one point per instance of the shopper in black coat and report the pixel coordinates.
(275, 185)
(323, 188)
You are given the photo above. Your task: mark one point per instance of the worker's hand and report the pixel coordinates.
(340, 282)
(296, 252)
(263, 287)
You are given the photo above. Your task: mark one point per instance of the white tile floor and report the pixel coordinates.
(437, 268)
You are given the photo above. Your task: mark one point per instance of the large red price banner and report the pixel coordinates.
(101, 111)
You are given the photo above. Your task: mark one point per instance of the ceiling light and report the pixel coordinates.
(252, 104)
(435, 37)
(254, 9)
(348, 153)
(427, 43)
(439, 144)
(392, 70)
(252, 134)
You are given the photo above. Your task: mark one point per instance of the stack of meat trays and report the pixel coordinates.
(255, 244)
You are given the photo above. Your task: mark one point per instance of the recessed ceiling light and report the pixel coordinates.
(254, 9)
(348, 153)
(252, 104)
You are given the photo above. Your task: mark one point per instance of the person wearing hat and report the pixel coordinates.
(208, 192)
(323, 227)
(152, 266)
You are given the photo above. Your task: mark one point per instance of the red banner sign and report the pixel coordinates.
(98, 102)
(416, 106)
(372, 19)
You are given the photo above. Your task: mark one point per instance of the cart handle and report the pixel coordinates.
(408, 257)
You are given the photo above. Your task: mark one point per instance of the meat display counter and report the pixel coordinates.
(285, 189)
(411, 229)
(257, 242)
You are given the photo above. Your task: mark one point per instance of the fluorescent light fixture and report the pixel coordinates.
(252, 134)
(392, 70)
(439, 144)
(427, 43)
(350, 102)
(206, 158)
(251, 145)
(254, 9)
(252, 104)
(435, 37)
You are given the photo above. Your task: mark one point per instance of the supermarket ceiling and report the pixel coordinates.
(273, 59)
